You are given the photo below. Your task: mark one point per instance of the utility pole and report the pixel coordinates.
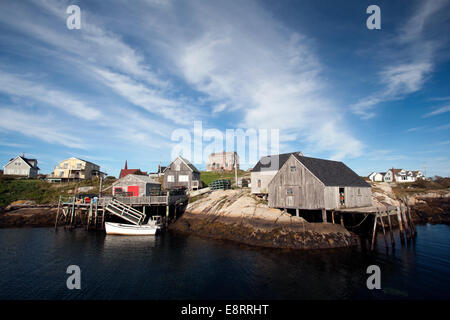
(100, 187)
(235, 169)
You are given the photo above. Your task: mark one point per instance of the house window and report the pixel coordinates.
(79, 165)
(183, 178)
(66, 165)
(289, 191)
(259, 183)
(177, 167)
(170, 179)
(293, 168)
(359, 191)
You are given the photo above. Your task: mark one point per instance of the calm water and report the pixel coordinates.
(33, 263)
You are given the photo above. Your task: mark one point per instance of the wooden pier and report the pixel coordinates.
(382, 218)
(91, 213)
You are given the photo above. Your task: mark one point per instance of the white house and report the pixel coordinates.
(400, 175)
(21, 166)
(376, 176)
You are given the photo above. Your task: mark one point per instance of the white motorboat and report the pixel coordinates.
(130, 229)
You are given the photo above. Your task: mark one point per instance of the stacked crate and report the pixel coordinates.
(220, 184)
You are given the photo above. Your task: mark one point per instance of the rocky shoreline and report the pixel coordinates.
(288, 233)
(237, 216)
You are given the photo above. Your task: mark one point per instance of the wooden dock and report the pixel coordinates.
(74, 211)
(382, 219)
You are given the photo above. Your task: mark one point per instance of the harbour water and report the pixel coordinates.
(33, 263)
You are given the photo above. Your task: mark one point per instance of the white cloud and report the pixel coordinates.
(410, 65)
(13, 85)
(39, 127)
(239, 56)
(437, 111)
(147, 98)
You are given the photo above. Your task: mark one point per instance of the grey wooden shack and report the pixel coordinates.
(181, 173)
(317, 184)
(264, 171)
(135, 185)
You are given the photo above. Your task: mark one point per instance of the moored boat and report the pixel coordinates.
(130, 230)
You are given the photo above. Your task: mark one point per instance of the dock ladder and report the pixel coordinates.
(124, 211)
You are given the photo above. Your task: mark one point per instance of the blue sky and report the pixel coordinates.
(117, 89)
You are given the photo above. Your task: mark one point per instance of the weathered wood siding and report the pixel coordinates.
(331, 195)
(175, 171)
(306, 191)
(265, 177)
(358, 197)
(354, 197)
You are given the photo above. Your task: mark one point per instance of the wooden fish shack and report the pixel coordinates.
(305, 183)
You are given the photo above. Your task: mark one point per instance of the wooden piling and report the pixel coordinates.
(412, 225)
(384, 230)
(342, 219)
(400, 225)
(405, 220)
(57, 213)
(390, 227)
(332, 216)
(324, 215)
(372, 247)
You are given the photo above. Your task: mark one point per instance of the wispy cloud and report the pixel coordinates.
(415, 129)
(410, 66)
(266, 75)
(437, 111)
(39, 127)
(16, 86)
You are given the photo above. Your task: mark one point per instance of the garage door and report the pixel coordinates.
(133, 191)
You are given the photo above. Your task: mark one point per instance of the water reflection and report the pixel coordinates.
(33, 264)
(117, 242)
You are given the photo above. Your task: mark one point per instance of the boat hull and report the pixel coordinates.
(130, 230)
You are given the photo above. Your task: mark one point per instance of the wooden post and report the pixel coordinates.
(57, 212)
(324, 215)
(89, 219)
(297, 212)
(341, 215)
(413, 227)
(390, 227)
(332, 216)
(407, 231)
(384, 231)
(372, 247)
(400, 225)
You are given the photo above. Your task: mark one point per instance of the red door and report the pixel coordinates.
(133, 191)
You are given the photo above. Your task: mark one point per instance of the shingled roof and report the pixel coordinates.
(332, 173)
(265, 162)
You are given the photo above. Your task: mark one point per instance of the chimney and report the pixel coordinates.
(393, 175)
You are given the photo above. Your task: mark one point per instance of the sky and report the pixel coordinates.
(136, 73)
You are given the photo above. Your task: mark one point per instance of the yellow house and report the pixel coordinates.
(74, 169)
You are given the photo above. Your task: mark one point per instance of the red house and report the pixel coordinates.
(125, 171)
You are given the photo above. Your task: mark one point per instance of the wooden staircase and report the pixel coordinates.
(124, 211)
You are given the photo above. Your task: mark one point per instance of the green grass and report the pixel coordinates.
(208, 177)
(40, 191)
